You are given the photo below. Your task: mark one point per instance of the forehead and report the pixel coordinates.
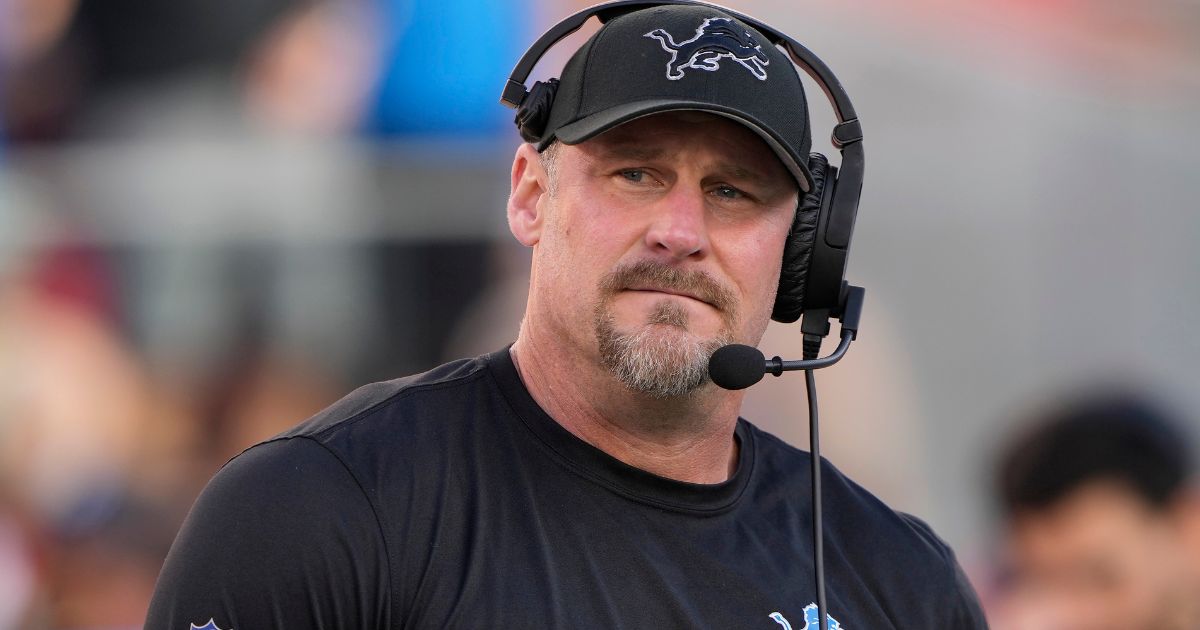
(1092, 519)
(729, 141)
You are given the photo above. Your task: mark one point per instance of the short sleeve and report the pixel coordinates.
(283, 537)
(957, 606)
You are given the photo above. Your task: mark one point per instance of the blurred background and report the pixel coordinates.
(218, 216)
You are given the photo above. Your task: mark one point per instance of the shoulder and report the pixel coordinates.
(406, 396)
(896, 556)
(403, 416)
(939, 578)
(283, 518)
(398, 441)
(313, 509)
(851, 512)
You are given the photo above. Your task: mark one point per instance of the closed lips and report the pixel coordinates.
(670, 292)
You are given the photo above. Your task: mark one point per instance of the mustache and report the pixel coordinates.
(694, 282)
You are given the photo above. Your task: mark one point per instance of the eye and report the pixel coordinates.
(728, 192)
(634, 175)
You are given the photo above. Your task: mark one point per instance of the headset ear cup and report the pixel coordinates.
(797, 251)
(534, 111)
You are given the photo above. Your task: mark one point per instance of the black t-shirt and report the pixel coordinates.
(451, 500)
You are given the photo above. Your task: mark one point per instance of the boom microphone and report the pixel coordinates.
(736, 366)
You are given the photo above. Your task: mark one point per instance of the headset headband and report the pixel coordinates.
(846, 132)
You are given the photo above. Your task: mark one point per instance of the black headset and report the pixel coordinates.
(812, 276)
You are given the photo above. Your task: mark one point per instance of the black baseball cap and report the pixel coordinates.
(683, 57)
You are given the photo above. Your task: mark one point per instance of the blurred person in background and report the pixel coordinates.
(122, 105)
(1103, 520)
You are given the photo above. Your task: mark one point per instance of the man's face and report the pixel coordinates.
(1102, 558)
(662, 241)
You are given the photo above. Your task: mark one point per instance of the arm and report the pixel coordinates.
(283, 537)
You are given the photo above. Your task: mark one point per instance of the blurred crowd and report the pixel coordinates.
(187, 263)
(218, 216)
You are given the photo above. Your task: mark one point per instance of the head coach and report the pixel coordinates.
(591, 475)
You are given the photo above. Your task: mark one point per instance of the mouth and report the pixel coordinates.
(674, 292)
(653, 277)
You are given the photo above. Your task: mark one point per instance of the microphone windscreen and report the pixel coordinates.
(736, 366)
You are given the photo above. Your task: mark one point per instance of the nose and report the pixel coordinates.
(678, 226)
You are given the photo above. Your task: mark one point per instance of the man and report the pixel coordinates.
(1103, 522)
(590, 475)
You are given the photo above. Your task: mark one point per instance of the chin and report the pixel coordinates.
(661, 360)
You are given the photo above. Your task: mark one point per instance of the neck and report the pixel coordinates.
(689, 438)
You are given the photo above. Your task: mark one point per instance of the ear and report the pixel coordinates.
(530, 186)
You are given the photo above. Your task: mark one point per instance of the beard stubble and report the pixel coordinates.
(662, 357)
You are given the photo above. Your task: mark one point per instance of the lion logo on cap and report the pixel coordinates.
(716, 38)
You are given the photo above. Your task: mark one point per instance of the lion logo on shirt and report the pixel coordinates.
(812, 621)
(717, 38)
(211, 625)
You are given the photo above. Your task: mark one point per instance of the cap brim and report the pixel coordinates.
(591, 126)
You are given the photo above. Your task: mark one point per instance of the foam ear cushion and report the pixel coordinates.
(534, 111)
(797, 251)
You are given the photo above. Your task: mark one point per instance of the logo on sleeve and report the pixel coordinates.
(716, 39)
(811, 620)
(211, 625)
